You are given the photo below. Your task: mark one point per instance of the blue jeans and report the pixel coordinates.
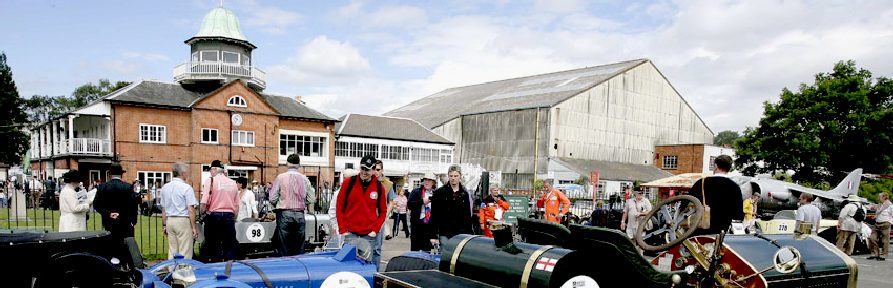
(220, 237)
(290, 232)
(351, 238)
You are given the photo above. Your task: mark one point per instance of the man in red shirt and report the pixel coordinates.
(362, 207)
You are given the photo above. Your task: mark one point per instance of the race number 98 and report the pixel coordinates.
(255, 232)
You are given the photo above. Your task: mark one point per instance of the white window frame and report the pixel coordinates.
(195, 57)
(162, 130)
(144, 177)
(711, 163)
(237, 101)
(323, 145)
(201, 55)
(242, 135)
(216, 136)
(238, 58)
(667, 163)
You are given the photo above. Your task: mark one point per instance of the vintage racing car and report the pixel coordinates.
(550, 255)
(584, 256)
(783, 223)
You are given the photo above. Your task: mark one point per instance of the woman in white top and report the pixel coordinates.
(247, 202)
(73, 209)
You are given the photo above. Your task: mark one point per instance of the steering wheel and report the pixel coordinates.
(682, 212)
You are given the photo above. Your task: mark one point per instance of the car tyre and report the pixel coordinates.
(411, 262)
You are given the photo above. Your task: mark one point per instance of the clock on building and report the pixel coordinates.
(237, 119)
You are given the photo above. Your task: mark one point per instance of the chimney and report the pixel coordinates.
(298, 98)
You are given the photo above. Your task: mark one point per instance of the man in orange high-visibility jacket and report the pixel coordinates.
(553, 200)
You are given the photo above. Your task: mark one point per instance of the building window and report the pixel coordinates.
(245, 61)
(152, 181)
(195, 57)
(356, 150)
(712, 163)
(237, 101)
(446, 156)
(230, 57)
(243, 138)
(423, 154)
(311, 146)
(209, 136)
(671, 162)
(341, 149)
(208, 56)
(153, 133)
(394, 152)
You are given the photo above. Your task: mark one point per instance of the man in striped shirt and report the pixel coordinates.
(292, 196)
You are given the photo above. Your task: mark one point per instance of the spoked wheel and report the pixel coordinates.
(679, 219)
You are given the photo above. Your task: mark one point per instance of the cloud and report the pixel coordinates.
(559, 6)
(322, 61)
(271, 20)
(720, 58)
(395, 17)
(130, 63)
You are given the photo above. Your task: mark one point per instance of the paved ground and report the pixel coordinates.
(874, 274)
(392, 248)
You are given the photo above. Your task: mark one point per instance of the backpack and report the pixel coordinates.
(860, 214)
(350, 184)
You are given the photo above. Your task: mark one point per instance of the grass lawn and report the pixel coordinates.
(148, 233)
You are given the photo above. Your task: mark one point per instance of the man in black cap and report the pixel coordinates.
(117, 204)
(292, 196)
(362, 207)
(220, 198)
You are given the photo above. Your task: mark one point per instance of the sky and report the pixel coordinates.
(724, 57)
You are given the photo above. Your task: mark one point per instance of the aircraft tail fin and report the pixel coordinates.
(850, 184)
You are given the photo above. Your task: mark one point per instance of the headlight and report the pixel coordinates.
(183, 275)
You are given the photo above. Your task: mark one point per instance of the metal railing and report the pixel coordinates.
(192, 70)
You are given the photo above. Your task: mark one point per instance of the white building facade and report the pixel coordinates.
(405, 148)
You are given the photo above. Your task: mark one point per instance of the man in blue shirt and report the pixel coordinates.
(178, 213)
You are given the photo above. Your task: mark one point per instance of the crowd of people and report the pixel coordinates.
(361, 208)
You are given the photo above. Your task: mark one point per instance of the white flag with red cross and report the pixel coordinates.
(546, 264)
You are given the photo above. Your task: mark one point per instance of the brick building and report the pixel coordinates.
(214, 111)
(688, 158)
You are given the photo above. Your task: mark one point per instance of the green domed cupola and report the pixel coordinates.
(219, 53)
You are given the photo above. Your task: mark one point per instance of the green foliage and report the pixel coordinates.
(727, 137)
(537, 185)
(870, 189)
(14, 142)
(42, 108)
(824, 130)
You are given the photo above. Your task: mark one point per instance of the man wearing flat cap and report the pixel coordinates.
(117, 203)
(292, 196)
(220, 198)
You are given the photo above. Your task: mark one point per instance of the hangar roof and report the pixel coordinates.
(544, 90)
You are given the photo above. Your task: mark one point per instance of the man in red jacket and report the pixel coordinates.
(362, 207)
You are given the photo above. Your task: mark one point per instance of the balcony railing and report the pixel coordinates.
(204, 69)
(90, 146)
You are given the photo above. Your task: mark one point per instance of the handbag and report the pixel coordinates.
(705, 220)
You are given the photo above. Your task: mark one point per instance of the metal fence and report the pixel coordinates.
(34, 214)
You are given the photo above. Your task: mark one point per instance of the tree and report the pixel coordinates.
(727, 137)
(87, 93)
(14, 142)
(841, 122)
(42, 108)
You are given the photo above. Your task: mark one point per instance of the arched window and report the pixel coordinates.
(237, 101)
